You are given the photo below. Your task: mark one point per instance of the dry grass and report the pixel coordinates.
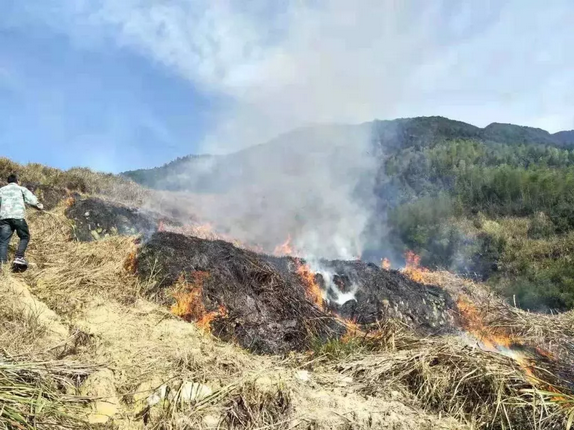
(551, 332)
(33, 395)
(36, 391)
(146, 347)
(254, 408)
(14, 326)
(486, 390)
(69, 273)
(80, 180)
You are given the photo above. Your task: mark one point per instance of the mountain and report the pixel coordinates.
(565, 137)
(197, 172)
(477, 201)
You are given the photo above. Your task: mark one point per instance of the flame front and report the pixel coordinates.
(189, 302)
(386, 264)
(285, 248)
(412, 267)
(491, 339)
(312, 288)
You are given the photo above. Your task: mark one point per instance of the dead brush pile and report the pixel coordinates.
(256, 306)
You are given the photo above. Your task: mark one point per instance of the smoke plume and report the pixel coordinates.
(280, 66)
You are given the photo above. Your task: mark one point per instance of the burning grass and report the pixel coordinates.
(189, 301)
(486, 390)
(312, 288)
(266, 312)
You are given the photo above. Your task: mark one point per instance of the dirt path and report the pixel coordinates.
(146, 347)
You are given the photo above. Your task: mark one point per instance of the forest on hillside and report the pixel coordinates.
(500, 212)
(493, 203)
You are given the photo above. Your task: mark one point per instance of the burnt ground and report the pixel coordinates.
(265, 312)
(95, 218)
(268, 310)
(382, 295)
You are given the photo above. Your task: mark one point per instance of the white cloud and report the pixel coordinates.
(342, 61)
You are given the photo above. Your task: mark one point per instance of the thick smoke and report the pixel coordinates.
(311, 188)
(280, 68)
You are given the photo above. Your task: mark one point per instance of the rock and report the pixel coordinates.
(191, 392)
(211, 421)
(303, 375)
(100, 386)
(157, 396)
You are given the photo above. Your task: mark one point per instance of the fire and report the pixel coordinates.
(285, 248)
(189, 302)
(130, 265)
(313, 290)
(491, 339)
(412, 268)
(386, 264)
(472, 322)
(353, 329)
(206, 231)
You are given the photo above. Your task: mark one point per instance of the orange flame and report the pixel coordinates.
(386, 264)
(189, 302)
(352, 329)
(285, 248)
(491, 339)
(130, 265)
(312, 288)
(208, 232)
(412, 268)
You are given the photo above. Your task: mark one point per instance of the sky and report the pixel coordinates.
(117, 85)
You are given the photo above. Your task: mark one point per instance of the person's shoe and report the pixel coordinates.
(20, 261)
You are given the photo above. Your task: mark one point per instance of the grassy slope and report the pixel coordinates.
(112, 324)
(438, 176)
(393, 381)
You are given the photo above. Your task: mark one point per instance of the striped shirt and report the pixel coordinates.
(12, 201)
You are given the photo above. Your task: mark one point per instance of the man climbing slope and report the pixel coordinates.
(13, 218)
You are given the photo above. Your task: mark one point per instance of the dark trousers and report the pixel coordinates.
(7, 228)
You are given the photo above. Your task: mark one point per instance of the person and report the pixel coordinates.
(13, 199)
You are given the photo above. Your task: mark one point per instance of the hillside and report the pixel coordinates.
(394, 134)
(492, 203)
(136, 316)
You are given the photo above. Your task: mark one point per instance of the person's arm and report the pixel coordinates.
(31, 199)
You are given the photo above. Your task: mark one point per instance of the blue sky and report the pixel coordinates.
(116, 85)
(110, 109)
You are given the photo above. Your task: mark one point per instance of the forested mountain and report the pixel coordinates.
(396, 134)
(495, 203)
